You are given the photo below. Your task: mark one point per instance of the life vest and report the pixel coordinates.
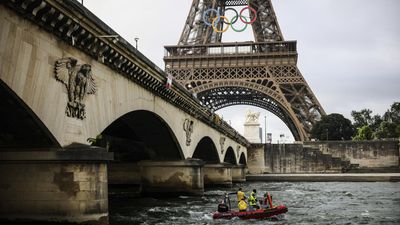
(242, 205)
(253, 199)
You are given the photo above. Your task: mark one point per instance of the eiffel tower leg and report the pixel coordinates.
(195, 31)
(266, 27)
(298, 97)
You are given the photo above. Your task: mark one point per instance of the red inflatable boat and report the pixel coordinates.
(255, 214)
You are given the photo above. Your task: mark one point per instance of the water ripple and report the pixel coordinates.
(308, 203)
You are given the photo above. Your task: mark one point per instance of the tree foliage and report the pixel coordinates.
(333, 127)
(393, 114)
(387, 126)
(364, 133)
(364, 118)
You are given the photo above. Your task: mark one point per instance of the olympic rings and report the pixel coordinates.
(237, 16)
(245, 24)
(205, 14)
(216, 29)
(225, 20)
(251, 9)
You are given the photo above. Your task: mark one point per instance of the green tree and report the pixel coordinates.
(376, 122)
(390, 125)
(386, 130)
(398, 130)
(364, 117)
(333, 127)
(364, 133)
(393, 114)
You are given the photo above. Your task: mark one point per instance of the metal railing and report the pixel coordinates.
(230, 49)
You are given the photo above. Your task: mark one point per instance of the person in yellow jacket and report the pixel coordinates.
(240, 195)
(253, 199)
(242, 205)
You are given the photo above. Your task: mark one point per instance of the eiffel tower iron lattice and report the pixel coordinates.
(263, 73)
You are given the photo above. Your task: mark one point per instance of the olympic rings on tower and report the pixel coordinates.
(245, 24)
(215, 20)
(216, 29)
(237, 15)
(251, 9)
(205, 14)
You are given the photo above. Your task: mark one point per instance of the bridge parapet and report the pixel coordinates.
(78, 27)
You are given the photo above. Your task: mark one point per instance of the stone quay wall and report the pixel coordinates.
(325, 157)
(365, 154)
(296, 158)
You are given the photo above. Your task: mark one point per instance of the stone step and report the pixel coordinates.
(375, 170)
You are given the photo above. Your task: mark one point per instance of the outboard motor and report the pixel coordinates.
(222, 207)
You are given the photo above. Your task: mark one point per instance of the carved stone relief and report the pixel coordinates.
(78, 80)
(238, 151)
(222, 143)
(252, 117)
(188, 128)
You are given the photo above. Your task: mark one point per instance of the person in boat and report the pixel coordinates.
(253, 200)
(240, 195)
(267, 201)
(242, 204)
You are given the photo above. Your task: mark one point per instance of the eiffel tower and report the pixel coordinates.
(261, 73)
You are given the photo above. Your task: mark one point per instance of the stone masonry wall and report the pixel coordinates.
(73, 192)
(255, 162)
(295, 158)
(326, 157)
(367, 154)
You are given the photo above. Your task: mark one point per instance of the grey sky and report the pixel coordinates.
(349, 50)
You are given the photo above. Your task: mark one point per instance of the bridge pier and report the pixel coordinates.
(218, 175)
(124, 177)
(172, 177)
(54, 187)
(239, 173)
(124, 173)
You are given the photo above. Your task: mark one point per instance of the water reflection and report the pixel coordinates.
(308, 203)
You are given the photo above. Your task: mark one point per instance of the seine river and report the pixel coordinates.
(308, 203)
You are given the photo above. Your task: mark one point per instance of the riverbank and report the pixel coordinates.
(340, 177)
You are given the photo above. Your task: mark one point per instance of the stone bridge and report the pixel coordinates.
(75, 95)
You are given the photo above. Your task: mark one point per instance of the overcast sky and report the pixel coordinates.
(349, 50)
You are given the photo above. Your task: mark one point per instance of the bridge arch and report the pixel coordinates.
(141, 135)
(207, 151)
(230, 156)
(242, 159)
(217, 96)
(20, 126)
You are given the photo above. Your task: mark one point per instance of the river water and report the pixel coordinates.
(308, 203)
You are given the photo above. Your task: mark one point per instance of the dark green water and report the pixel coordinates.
(308, 203)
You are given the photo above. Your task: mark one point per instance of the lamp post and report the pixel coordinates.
(136, 41)
(265, 129)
